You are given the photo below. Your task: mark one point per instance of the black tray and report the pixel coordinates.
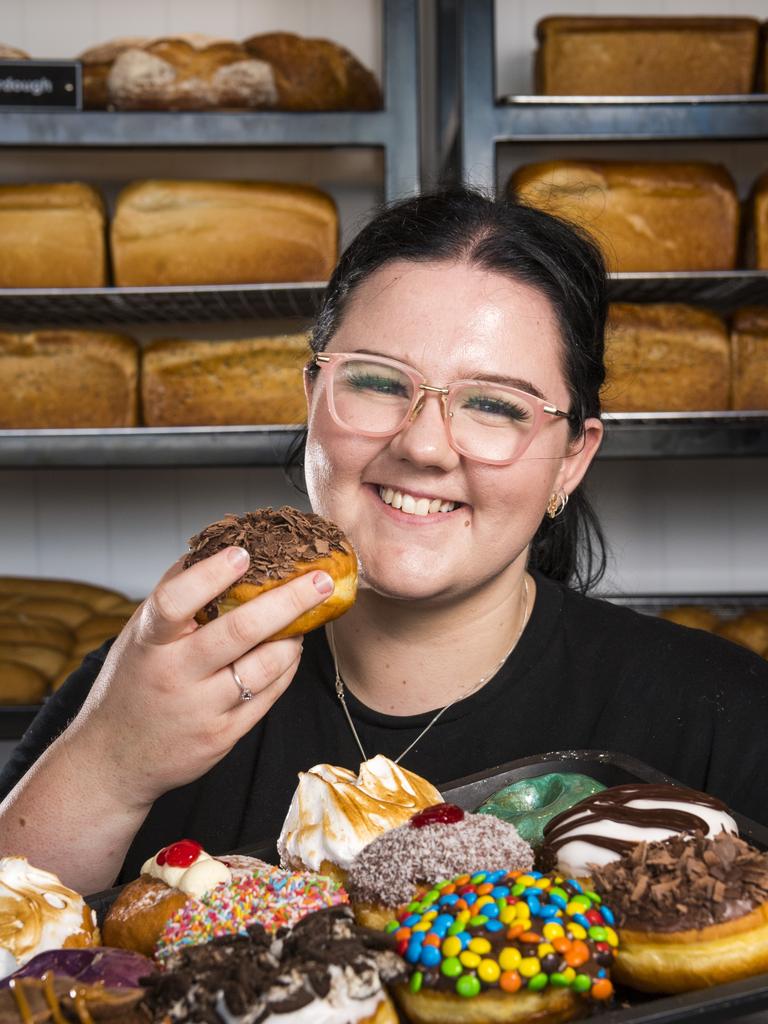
(719, 1003)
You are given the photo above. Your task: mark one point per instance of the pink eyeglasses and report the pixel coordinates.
(374, 396)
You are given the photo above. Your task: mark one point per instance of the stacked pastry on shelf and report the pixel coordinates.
(450, 914)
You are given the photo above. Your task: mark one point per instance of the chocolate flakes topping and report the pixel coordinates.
(684, 882)
(276, 540)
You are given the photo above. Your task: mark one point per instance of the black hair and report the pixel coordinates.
(532, 247)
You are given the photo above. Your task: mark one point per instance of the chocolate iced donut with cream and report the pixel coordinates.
(691, 912)
(606, 825)
(283, 543)
(436, 843)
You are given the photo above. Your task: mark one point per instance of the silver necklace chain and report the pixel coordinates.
(463, 696)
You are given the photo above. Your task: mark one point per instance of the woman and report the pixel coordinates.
(452, 413)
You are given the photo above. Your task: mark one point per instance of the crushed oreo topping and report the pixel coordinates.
(388, 870)
(325, 957)
(276, 540)
(684, 882)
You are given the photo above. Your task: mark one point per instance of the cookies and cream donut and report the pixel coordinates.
(335, 812)
(283, 543)
(38, 913)
(606, 825)
(691, 912)
(326, 970)
(434, 844)
(504, 946)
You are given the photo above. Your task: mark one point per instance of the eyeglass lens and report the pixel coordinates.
(484, 420)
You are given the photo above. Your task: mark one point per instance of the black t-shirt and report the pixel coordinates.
(585, 674)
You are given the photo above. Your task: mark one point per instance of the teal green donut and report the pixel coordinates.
(531, 803)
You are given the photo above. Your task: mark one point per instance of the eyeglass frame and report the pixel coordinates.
(541, 406)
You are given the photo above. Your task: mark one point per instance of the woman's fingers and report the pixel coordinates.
(257, 670)
(169, 610)
(229, 637)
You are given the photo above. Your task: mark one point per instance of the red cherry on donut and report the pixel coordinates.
(437, 814)
(180, 855)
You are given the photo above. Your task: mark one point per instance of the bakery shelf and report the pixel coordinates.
(472, 121)
(203, 303)
(628, 436)
(79, 306)
(395, 129)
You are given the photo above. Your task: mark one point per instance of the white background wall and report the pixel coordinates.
(674, 527)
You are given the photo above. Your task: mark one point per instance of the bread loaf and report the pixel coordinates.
(52, 236)
(68, 379)
(637, 56)
(70, 614)
(45, 660)
(665, 357)
(12, 53)
(315, 74)
(222, 232)
(749, 340)
(17, 629)
(750, 630)
(645, 216)
(21, 684)
(255, 380)
(99, 599)
(97, 62)
(693, 616)
(759, 226)
(186, 74)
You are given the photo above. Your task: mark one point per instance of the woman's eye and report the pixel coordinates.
(496, 407)
(377, 384)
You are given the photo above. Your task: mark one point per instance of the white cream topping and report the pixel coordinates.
(335, 813)
(575, 856)
(195, 880)
(8, 962)
(37, 912)
(412, 505)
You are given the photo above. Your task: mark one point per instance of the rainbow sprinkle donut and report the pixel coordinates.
(267, 896)
(508, 932)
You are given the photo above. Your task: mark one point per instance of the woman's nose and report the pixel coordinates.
(424, 438)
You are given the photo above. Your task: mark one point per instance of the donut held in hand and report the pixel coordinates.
(691, 912)
(283, 543)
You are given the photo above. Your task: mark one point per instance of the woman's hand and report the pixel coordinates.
(165, 707)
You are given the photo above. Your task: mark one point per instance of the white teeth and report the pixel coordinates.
(414, 506)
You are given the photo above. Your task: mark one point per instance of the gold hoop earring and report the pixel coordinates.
(556, 504)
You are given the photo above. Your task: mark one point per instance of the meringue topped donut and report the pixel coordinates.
(606, 825)
(334, 813)
(38, 913)
(283, 543)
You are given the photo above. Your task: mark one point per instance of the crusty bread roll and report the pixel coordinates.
(749, 352)
(21, 630)
(52, 236)
(97, 598)
(222, 232)
(47, 660)
(639, 56)
(100, 628)
(315, 74)
(254, 380)
(21, 684)
(645, 216)
(97, 62)
(748, 630)
(68, 613)
(186, 74)
(12, 53)
(664, 357)
(68, 378)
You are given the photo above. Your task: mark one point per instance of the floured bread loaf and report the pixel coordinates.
(749, 338)
(253, 380)
(67, 378)
(97, 62)
(222, 232)
(52, 236)
(645, 216)
(665, 357)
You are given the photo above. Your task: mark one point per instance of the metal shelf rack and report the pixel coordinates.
(628, 436)
(395, 129)
(472, 121)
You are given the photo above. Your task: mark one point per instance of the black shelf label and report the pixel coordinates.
(41, 84)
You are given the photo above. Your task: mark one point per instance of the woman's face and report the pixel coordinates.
(450, 321)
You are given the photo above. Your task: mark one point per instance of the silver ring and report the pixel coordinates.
(245, 692)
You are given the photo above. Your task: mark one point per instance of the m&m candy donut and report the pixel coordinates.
(515, 945)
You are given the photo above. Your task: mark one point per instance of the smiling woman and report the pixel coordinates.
(453, 411)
